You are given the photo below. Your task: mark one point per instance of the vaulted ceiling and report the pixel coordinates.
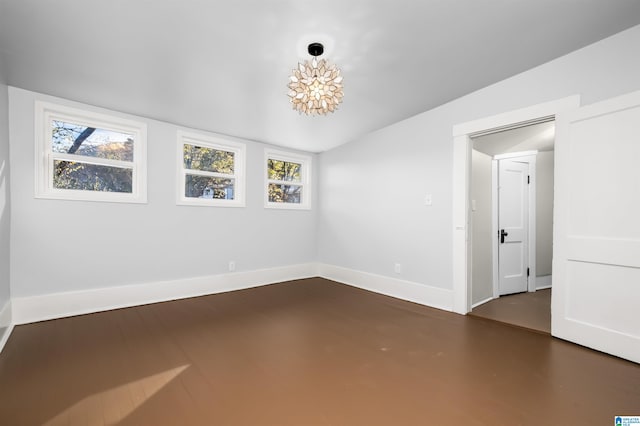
(223, 65)
(538, 137)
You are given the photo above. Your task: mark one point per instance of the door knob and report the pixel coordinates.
(502, 235)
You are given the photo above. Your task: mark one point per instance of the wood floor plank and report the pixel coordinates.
(308, 352)
(527, 310)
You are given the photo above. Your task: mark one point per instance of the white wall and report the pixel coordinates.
(370, 211)
(372, 189)
(60, 246)
(482, 256)
(5, 211)
(544, 212)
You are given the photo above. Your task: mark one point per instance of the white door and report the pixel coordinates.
(596, 288)
(513, 212)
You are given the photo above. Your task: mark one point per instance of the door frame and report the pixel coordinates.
(462, 145)
(530, 157)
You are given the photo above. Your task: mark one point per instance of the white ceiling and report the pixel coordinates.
(538, 137)
(222, 65)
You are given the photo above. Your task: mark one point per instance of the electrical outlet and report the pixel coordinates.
(397, 268)
(428, 201)
(232, 266)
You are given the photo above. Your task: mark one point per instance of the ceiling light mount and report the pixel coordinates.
(315, 87)
(315, 49)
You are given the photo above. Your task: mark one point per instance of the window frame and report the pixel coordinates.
(305, 179)
(217, 143)
(46, 112)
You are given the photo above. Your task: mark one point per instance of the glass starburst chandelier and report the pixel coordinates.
(315, 87)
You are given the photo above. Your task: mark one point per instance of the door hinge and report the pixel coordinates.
(528, 179)
(527, 271)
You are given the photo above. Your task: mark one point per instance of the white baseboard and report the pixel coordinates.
(407, 290)
(58, 305)
(6, 324)
(482, 302)
(543, 282)
(28, 309)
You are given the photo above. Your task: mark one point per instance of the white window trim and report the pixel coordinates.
(305, 182)
(45, 112)
(239, 167)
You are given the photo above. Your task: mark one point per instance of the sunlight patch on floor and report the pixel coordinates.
(113, 405)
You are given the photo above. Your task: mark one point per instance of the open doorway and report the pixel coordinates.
(511, 191)
(462, 134)
(596, 246)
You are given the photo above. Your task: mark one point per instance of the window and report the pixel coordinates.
(210, 171)
(287, 180)
(82, 155)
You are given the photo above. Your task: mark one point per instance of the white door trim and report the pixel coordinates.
(462, 134)
(494, 231)
(530, 158)
(514, 155)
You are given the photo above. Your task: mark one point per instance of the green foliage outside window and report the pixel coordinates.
(284, 170)
(287, 172)
(91, 177)
(86, 141)
(208, 160)
(285, 193)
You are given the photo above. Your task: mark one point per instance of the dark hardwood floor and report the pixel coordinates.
(526, 310)
(308, 352)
